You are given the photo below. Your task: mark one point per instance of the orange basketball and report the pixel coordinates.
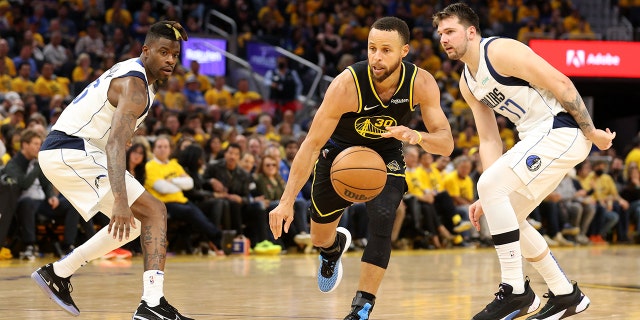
(358, 174)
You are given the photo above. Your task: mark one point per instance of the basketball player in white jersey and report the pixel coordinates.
(84, 157)
(556, 133)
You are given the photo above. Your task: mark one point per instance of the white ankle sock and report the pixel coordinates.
(555, 278)
(153, 282)
(511, 265)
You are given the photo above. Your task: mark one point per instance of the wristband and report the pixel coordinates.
(419, 136)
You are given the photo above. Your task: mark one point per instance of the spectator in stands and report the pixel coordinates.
(459, 185)
(243, 94)
(633, 156)
(270, 185)
(38, 196)
(419, 200)
(203, 79)
(195, 97)
(25, 55)
(631, 192)
(117, 16)
(4, 51)
(220, 96)
(228, 179)
(83, 72)
(68, 28)
(58, 55)
(166, 180)
(213, 149)
(47, 85)
(22, 83)
(91, 43)
(174, 97)
(608, 199)
(214, 207)
(271, 19)
(284, 86)
(556, 224)
(605, 219)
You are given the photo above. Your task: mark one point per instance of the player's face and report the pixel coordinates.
(453, 38)
(385, 53)
(160, 58)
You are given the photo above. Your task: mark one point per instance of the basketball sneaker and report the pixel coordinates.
(508, 305)
(58, 289)
(360, 308)
(330, 270)
(160, 312)
(562, 306)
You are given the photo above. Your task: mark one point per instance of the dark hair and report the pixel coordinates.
(189, 159)
(139, 172)
(233, 145)
(465, 14)
(171, 30)
(393, 24)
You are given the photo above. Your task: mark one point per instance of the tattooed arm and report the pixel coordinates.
(129, 95)
(512, 58)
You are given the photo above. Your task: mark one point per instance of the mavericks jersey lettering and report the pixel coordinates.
(365, 126)
(89, 115)
(530, 108)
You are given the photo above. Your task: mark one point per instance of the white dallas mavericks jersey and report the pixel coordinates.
(530, 108)
(89, 115)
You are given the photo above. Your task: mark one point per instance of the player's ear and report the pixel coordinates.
(405, 50)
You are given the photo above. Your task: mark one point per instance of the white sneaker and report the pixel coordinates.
(550, 242)
(582, 240)
(563, 241)
(535, 223)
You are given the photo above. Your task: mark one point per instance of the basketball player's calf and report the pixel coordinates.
(382, 211)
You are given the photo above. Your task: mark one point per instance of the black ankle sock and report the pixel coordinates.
(366, 295)
(334, 250)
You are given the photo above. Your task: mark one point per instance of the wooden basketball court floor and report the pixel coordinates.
(445, 284)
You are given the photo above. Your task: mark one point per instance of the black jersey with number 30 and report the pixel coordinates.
(364, 126)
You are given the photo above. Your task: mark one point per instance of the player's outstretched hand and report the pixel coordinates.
(402, 133)
(603, 139)
(475, 212)
(276, 216)
(121, 221)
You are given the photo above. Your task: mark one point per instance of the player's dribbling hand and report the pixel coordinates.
(475, 212)
(276, 216)
(121, 221)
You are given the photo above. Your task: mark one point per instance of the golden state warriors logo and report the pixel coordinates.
(373, 127)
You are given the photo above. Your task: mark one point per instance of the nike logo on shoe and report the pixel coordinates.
(161, 316)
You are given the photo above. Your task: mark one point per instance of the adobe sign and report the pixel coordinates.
(610, 59)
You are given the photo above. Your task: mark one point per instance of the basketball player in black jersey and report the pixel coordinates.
(368, 104)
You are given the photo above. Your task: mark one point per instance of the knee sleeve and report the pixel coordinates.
(382, 212)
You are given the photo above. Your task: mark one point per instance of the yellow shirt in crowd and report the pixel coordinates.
(161, 171)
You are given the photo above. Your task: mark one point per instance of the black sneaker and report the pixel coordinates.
(58, 289)
(507, 305)
(330, 270)
(360, 308)
(163, 311)
(562, 306)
